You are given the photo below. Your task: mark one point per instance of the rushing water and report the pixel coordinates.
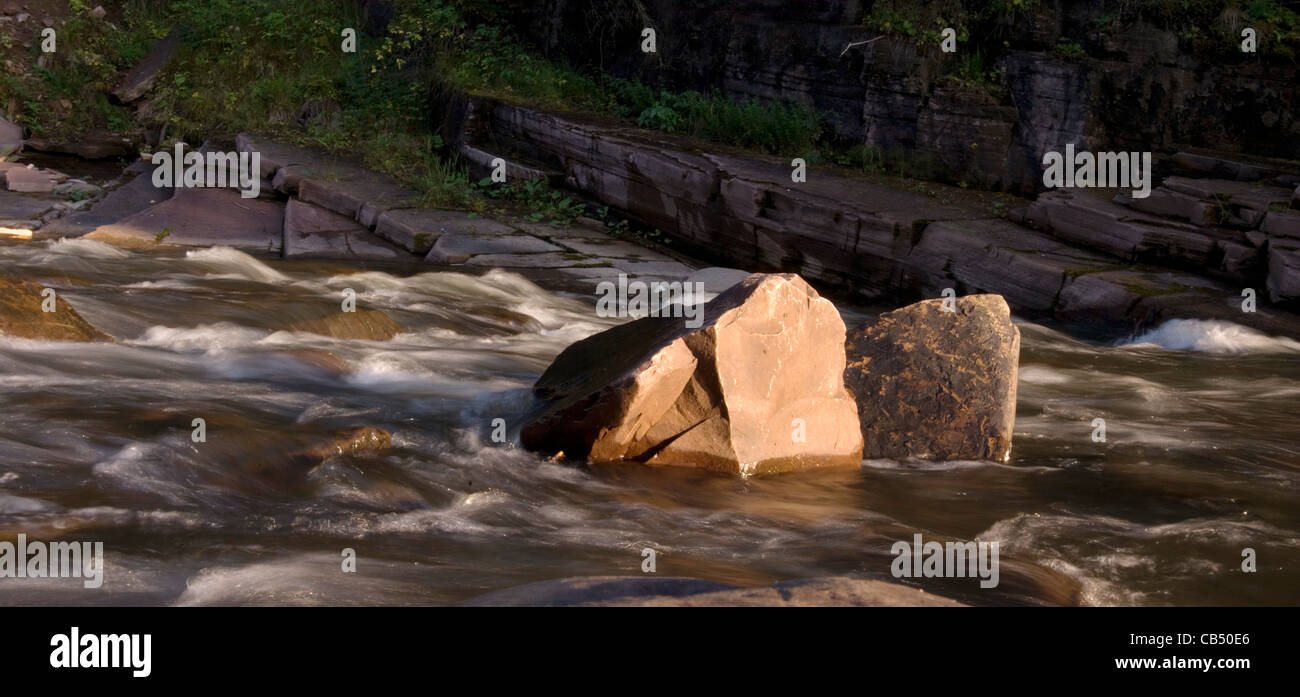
(1201, 458)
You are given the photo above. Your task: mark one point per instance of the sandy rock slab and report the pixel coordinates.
(200, 217)
(363, 325)
(23, 316)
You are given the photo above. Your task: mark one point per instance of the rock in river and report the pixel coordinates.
(22, 315)
(362, 325)
(937, 385)
(758, 387)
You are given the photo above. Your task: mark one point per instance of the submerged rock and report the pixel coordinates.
(937, 385)
(323, 360)
(834, 591)
(289, 467)
(365, 325)
(22, 316)
(758, 387)
(366, 439)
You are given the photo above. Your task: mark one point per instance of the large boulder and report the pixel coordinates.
(935, 384)
(22, 315)
(758, 387)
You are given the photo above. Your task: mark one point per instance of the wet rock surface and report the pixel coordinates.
(200, 217)
(364, 325)
(22, 315)
(639, 591)
(935, 384)
(310, 231)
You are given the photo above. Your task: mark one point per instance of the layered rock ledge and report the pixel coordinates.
(1074, 258)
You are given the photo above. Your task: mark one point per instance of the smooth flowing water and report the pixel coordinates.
(1201, 458)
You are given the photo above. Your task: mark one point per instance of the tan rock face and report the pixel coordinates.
(757, 388)
(937, 385)
(364, 325)
(21, 315)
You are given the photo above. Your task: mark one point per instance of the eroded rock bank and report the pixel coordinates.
(1118, 265)
(1126, 82)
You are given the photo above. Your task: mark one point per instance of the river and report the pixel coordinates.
(1201, 458)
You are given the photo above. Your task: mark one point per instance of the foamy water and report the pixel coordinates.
(1213, 336)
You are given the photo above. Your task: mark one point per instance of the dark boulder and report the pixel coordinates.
(937, 385)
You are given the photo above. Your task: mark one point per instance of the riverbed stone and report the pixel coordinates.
(934, 384)
(544, 260)
(1084, 219)
(325, 361)
(201, 217)
(287, 468)
(1233, 203)
(605, 247)
(130, 198)
(28, 180)
(17, 206)
(352, 189)
(643, 591)
(22, 315)
(417, 229)
(458, 248)
(315, 232)
(1281, 224)
(79, 189)
(1173, 204)
(756, 388)
(1284, 270)
(362, 325)
(666, 268)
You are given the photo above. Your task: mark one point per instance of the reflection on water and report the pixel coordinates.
(1201, 458)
